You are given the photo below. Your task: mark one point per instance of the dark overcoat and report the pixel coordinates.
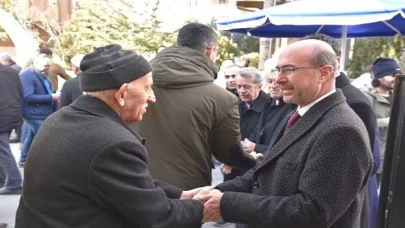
(314, 176)
(87, 168)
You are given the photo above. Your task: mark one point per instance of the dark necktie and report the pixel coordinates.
(293, 118)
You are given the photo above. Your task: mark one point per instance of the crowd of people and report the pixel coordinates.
(131, 143)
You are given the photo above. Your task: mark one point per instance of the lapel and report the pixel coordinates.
(40, 78)
(281, 142)
(97, 107)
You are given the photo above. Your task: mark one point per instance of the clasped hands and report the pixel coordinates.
(210, 198)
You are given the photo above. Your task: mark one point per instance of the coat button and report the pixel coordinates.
(255, 185)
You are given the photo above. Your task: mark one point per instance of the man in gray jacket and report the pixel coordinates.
(319, 161)
(87, 168)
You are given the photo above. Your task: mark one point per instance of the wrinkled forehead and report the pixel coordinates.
(233, 70)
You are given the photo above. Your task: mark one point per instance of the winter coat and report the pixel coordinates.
(191, 121)
(87, 168)
(313, 176)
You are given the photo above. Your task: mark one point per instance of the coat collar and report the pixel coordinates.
(258, 104)
(342, 80)
(281, 142)
(97, 107)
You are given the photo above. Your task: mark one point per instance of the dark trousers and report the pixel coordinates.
(10, 176)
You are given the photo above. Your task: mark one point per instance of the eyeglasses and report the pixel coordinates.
(288, 70)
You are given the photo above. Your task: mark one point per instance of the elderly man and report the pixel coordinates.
(316, 170)
(252, 103)
(71, 88)
(38, 101)
(5, 59)
(194, 119)
(87, 168)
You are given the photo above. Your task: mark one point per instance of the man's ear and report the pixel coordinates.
(120, 94)
(208, 52)
(326, 73)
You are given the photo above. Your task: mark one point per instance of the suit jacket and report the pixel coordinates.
(250, 117)
(37, 101)
(273, 114)
(87, 168)
(313, 176)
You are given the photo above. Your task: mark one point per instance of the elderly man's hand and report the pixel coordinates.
(257, 156)
(202, 193)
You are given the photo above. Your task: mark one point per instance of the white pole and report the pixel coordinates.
(343, 48)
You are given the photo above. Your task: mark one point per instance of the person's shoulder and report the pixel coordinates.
(221, 95)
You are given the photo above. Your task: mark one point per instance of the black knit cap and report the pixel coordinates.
(385, 66)
(109, 67)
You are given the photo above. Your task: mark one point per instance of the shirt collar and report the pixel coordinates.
(303, 110)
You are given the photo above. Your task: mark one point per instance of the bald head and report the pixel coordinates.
(306, 71)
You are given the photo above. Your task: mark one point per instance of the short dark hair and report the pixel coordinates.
(325, 38)
(46, 51)
(197, 36)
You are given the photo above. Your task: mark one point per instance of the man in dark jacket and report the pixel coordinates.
(194, 118)
(274, 113)
(71, 88)
(362, 107)
(10, 117)
(252, 102)
(318, 165)
(87, 168)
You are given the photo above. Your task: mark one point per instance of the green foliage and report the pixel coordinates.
(369, 49)
(254, 59)
(98, 23)
(227, 49)
(5, 5)
(247, 44)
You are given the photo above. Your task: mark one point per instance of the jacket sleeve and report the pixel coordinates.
(171, 191)
(328, 172)
(226, 146)
(238, 184)
(118, 179)
(29, 95)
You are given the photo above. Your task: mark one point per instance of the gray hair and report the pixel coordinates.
(251, 72)
(324, 57)
(5, 57)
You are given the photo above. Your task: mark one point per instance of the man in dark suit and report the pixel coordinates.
(316, 170)
(362, 107)
(87, 168)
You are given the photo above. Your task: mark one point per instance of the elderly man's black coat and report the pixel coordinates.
(86, 168)
(314, 176)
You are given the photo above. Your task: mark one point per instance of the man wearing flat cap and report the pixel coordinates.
(384, 71)
(97, 175)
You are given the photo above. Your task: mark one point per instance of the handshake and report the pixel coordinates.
(210, 198)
